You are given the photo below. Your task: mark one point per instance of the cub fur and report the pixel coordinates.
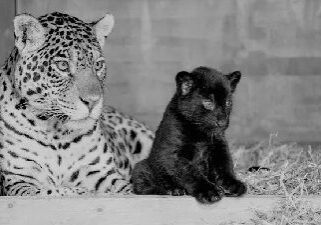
(190, 153)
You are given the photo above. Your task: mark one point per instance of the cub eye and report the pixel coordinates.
(63, 65)
(228, 103)
(99, 64)
(208, 104)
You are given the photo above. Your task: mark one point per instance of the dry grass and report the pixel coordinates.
(290, 211)
(294, 172)
(291, 167)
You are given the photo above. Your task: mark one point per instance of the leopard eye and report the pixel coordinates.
(208, 104)
(99, 65)
(63, 65)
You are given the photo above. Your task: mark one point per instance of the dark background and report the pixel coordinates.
(276, 44)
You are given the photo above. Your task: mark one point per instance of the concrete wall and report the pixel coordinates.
(276, 44)
(7, 12)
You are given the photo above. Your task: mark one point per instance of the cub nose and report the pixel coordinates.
(90, 101)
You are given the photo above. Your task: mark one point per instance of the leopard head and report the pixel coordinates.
(60, 68)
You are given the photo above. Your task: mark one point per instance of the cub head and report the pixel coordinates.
(60, 67)
(204, 97)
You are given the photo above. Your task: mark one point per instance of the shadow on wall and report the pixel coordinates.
(276, 45)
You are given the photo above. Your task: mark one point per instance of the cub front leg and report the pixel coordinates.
(144, 181)
(195, 183)
(222, 171)
(184, 177)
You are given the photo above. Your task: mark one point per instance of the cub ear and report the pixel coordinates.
(29, 33)
(234, 79)
(103, 28)
(184, 82)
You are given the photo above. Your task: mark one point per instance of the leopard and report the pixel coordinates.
(57, 137)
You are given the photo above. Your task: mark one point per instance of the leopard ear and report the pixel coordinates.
(234, 79)
(184, 82)
(29, 33)
(103, 28)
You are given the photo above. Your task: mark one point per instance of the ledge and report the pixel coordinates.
(132, 210)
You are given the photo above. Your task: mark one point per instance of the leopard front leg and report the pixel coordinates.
(67, 191)
(12, 186)
(110, 181)
(19, 187)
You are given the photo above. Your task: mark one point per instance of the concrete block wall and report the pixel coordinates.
(276, 44)
(7, 12)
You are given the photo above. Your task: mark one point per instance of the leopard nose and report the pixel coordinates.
(90, 101)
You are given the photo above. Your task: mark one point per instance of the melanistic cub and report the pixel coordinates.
(190, 153)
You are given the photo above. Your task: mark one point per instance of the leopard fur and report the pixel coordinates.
(55, 137)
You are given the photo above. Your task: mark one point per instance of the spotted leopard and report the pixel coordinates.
(55, 137)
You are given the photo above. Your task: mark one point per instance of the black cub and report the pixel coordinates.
(190, 153)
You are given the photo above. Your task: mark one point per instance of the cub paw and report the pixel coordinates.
(235, 188)
(209, 195)
(176, 192)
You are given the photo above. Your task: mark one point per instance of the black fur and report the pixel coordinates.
(190, 153)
